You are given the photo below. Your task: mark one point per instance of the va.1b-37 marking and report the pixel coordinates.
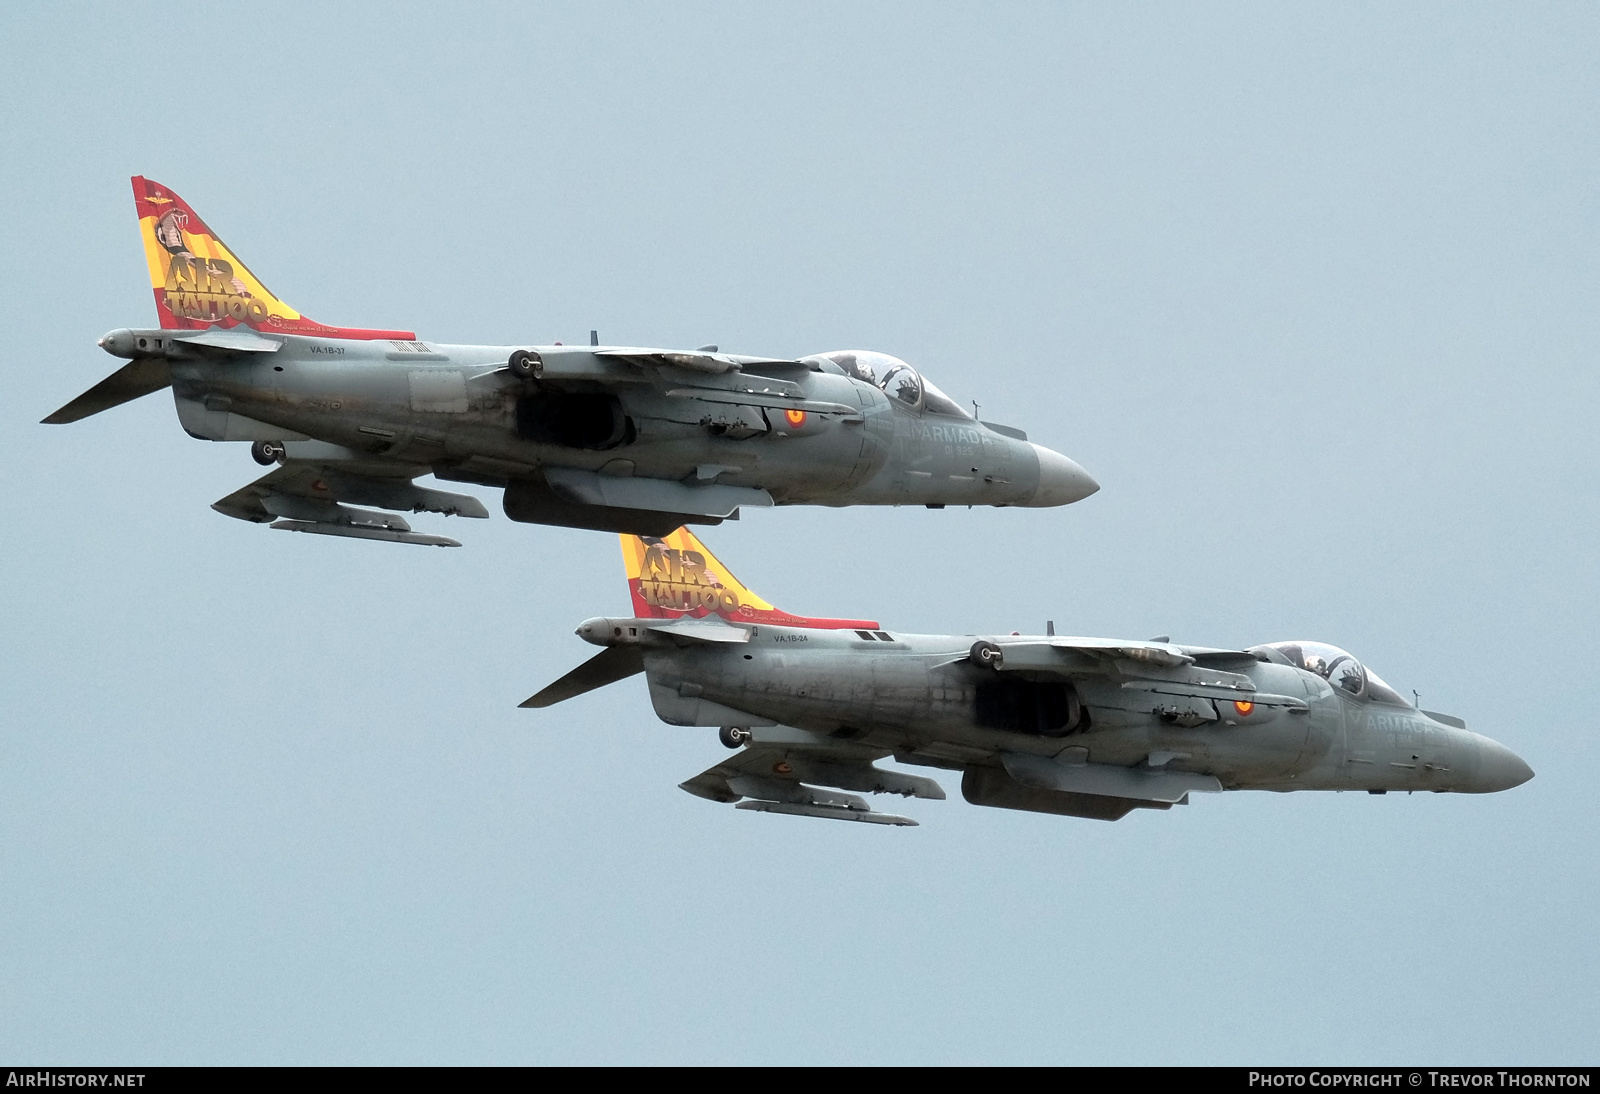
(1085, 727)
(615, 438)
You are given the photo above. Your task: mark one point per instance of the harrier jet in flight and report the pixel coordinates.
(1085, 727)
(617, 438)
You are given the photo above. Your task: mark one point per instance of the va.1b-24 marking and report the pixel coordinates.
(1084, 727)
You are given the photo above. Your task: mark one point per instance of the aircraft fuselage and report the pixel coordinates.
(921, 697)
(626, 439)
(458, 411)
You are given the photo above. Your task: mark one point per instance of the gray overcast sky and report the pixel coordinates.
(1310, 290)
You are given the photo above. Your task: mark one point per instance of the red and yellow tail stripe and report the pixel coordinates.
(200, 283)
(675, 576)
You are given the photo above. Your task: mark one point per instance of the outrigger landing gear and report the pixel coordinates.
(986, 654)
(733, 736)
(267, 453)
(525, 364)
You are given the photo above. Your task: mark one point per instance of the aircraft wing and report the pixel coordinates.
(697, 361)
(306, 496)
(1153, 650)
(621, 363)
(785, 770)
(702, 375)
(1190, 672)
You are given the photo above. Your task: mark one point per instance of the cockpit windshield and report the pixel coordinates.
(1340, 669)
(896, 379)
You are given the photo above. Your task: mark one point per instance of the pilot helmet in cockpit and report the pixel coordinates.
(896, 379)
(1341, 669)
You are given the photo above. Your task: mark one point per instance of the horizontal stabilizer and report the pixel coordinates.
(134, 379)
(361, 531)
(827, 811)
(606, 667)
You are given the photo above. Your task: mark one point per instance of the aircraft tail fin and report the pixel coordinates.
(675, 576)
(200, 283)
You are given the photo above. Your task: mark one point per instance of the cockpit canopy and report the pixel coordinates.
(896, 379)
(1340, 669)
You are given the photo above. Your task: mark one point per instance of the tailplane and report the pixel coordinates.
(674, 577)
(200, 283)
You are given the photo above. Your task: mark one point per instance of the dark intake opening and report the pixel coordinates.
(1045, 709)
(573, 420)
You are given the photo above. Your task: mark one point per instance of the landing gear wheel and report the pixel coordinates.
(986, 654)
(267, 453)
(525, 364)
(733, 736)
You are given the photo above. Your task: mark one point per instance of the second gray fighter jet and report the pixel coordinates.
(1085, 727)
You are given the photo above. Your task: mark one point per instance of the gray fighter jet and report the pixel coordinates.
(617, 438)
(1084, 727)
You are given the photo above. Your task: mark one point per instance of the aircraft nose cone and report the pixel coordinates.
(1499, 768)
(1061, 482)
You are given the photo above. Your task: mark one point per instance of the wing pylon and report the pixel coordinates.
(306, 496)
(791, 771)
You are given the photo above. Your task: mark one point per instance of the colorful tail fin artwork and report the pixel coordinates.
(199, 282)
(675, 576)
